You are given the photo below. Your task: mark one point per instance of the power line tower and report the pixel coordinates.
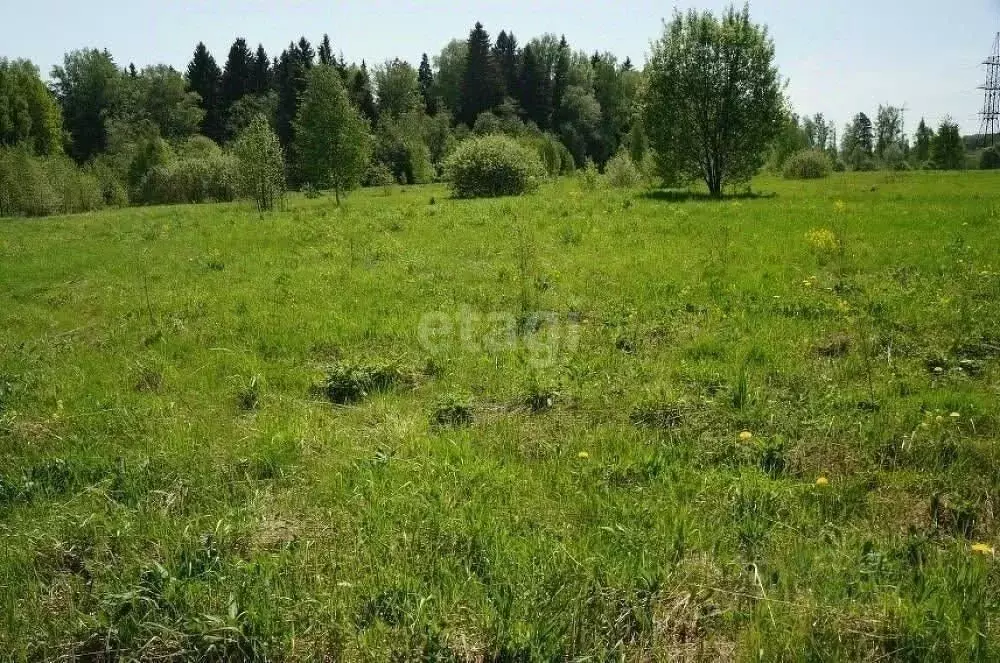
(990, 128)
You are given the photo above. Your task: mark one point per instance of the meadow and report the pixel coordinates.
(583, 424)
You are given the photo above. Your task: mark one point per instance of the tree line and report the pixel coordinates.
(572, 106)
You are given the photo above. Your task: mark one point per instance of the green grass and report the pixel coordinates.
(498, 485)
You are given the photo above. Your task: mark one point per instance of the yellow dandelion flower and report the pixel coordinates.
(583, 455)
(822, 481)
(746, 436)
(983, 549)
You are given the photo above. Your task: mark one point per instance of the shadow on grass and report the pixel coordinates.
(680, 196)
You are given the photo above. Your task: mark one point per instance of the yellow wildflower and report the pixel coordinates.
(583, 455)
(746, 436)
(983, 549)
(822, 481)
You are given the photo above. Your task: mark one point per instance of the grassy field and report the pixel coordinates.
(583, 424)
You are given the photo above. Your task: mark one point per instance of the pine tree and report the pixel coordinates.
(482, 88)
(948, 148)
(425, 77)
(236, 75)
(534, 87)
(260, 76)
(332, 141)
(326, 52)
(505, 54)
(864, 133)
(307, 55)
(560, 81)
(203, 77)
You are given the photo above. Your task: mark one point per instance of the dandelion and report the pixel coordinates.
(822, 481)
(583, 455)
(983, 549)
(746, 436)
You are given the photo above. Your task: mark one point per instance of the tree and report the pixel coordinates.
(160, 95)
(425, 80)
(713, 102)
(482, 88)
(924, 138)
(237, 75)
(326, 52)
(864, 133)
(260, 74)
(506, 56)
(822, 131)
(535, 89)
(332, 142)
(290, 77)
(203, 78)
(560, 81)
(87, 88)
(398, 89)
(888, 128)
(948, 150)
(361, 94)
(262, 166)
(29, 114)
(450, 72)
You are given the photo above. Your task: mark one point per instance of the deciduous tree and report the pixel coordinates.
(713, 103)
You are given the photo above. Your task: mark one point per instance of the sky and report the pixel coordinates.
(839, 57)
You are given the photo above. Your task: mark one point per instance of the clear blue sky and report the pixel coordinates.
(841, 56)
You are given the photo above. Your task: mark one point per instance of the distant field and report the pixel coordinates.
(535, 451)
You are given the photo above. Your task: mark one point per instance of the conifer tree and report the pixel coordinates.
(425, 77)
(560, 82)
(326, 52)
(505, 54)
(203, 77)
(260, 77)
(237, 74)
(534, 89)
(361, 94)
(482, 88)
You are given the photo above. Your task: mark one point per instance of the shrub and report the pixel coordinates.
(589, 175)
(621, 172)
(378, 174)
(807, 165)
(493, 166)
(39, 186)
(894, 159)
(990, 159)
(191, 181)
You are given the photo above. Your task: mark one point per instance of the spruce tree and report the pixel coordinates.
(361, 94)
(560, 81)
(925, 137)
(505, 54)
(425, 77)
(534, 89)
(482, 88)
(236, 75)
(260, 77)
(290, 82)
(326, 52)
(203, 77)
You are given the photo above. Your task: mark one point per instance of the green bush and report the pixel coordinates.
(621, 172)
(40, 186)
(191, 181)
(807, 165)
(590, 177)
(990, 159)
(493, 166)
(894, 159)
